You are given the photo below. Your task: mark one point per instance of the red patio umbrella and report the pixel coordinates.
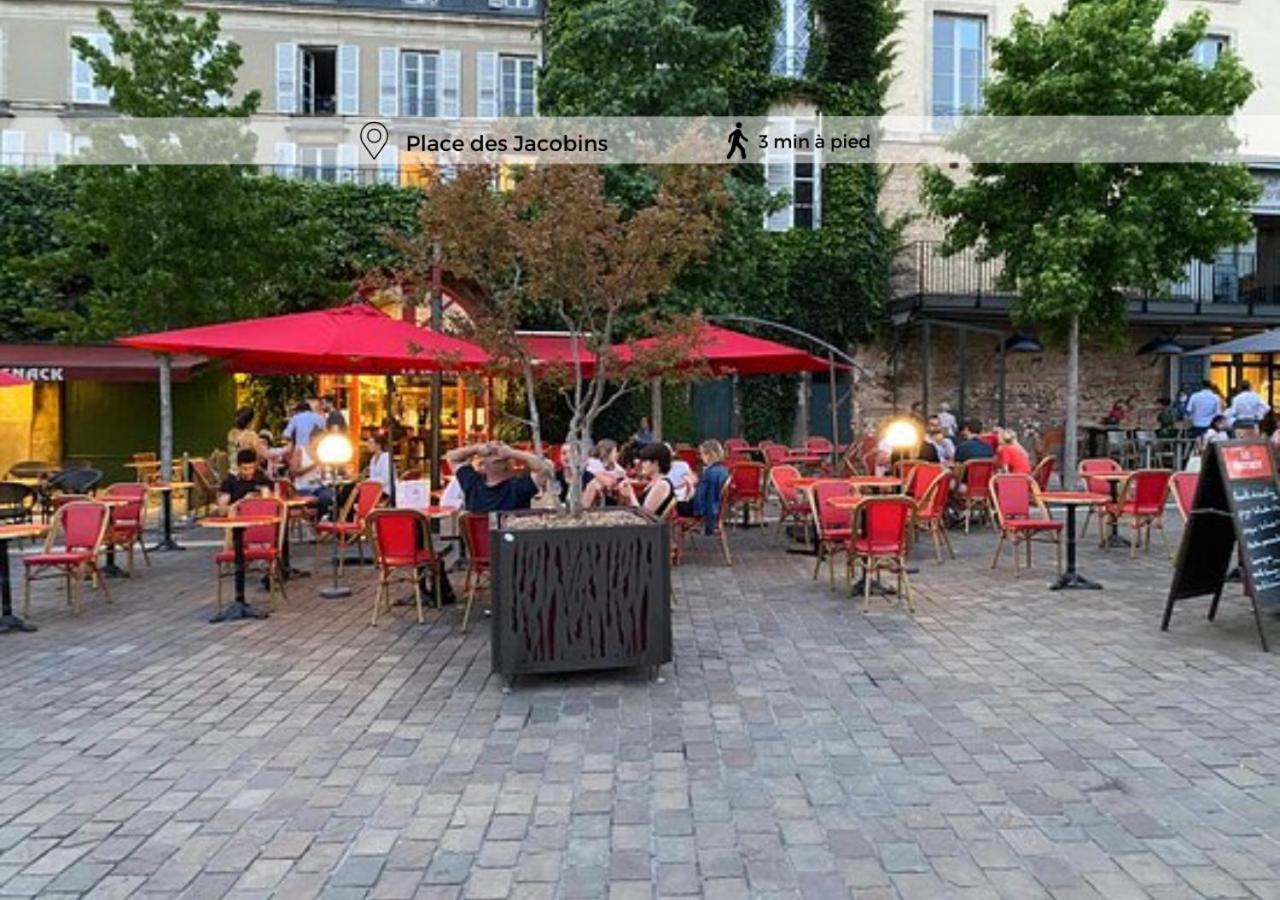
(548, 348)
(728, 352)
(7, 380)
(342, 340)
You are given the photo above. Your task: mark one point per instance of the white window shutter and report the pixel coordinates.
(388, 81)
(12, 146)
(4, 59)
(348, 163)
(59, 145)
(389, 165)
(286, 78)
(348, 80)
(779, 175)
(449, 85)
(286, 158)
(486, 85)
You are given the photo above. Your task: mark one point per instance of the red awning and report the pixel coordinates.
(729, 352)
(346, 339)
(65, 362)
(549, 348)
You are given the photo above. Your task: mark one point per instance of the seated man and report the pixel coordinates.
(498, 489)
(248, 480)
(971, 445)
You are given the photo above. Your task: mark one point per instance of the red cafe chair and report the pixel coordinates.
(1043, 472)
(691, 458)
(747, 487)
(736, 444)
(794, 508)
(129, 520)
(262, 544)
(350, 525)
(774, 454)
(975, 476)
(402, 543)
(683, 526)
(833, 525)
(1183, 487)
(1097, 466)
(931, 510)
(881, 541)
(1014, 499)
(818, 445)
(475, 535)
(1141, 501)
(83, 527)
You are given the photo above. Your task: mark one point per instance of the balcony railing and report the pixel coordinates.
(1234, 277)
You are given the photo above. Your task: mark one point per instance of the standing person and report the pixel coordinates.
(644, 435)
(946, 420)
(498, 488)
(305, 421)
(1166, 418)
(1202, 407)
(242, 436)
(1247, 408)
(1010, 455)
(380, 462)
(334, 420)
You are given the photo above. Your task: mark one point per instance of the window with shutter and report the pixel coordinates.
(517, 85)
(449, 103)
(959, 66)
(84, 89)
(486, 85)
(12, 147)
(286, 78)
(389, 165)
(286, 159)
(388, 81)
(419, 83)
(348, 80)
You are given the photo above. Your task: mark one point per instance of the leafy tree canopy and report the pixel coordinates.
(1074, 237)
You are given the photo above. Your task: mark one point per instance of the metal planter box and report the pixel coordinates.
(574, 597)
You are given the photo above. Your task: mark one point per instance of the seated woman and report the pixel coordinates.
(605, 478)
(1010, 457)
(308, 474)
(710, 487)
(655, 467)
(379, 461)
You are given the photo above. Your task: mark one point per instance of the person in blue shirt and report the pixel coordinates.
(705, 504)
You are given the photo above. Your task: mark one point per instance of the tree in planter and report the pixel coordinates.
(555, 249)
(1074, 236)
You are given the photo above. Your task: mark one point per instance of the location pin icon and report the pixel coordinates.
(374, 137)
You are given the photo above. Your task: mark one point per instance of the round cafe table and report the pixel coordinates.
(1071, 580)
(165, 490)
(239, 608)
(8, 621)
(883, 483)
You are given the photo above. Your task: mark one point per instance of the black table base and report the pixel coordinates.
(1071, 580)
(109, 568)
(239, 610)
(167, 542)
(8, 621)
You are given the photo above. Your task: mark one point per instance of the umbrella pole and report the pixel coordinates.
(391, 440)
(655, 410)
(835, 412)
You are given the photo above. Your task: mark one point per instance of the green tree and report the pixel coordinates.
(637, 58)
(1074, 237)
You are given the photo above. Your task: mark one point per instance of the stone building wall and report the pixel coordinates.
(1035, 383)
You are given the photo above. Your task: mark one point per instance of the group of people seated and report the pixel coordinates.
(494, 477)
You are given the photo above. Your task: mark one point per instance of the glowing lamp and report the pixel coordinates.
(902, 434)
(334, 449)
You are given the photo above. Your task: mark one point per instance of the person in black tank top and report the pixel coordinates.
(655, 465)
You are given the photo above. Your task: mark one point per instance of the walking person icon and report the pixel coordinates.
(737, 142)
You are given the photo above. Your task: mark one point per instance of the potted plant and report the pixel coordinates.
(575, 589)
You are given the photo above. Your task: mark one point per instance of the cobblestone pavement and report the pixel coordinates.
(1004, 742)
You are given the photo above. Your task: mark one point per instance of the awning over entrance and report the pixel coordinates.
(62, 362)
(1266, 342)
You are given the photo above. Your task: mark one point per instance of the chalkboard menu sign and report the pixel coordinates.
(1236, 512)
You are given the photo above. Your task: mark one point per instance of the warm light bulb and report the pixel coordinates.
(334, 449)
(901, 434)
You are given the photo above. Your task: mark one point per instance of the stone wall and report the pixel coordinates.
(1035, 382)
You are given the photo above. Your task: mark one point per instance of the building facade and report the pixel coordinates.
(319, 66)
(954, 307)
